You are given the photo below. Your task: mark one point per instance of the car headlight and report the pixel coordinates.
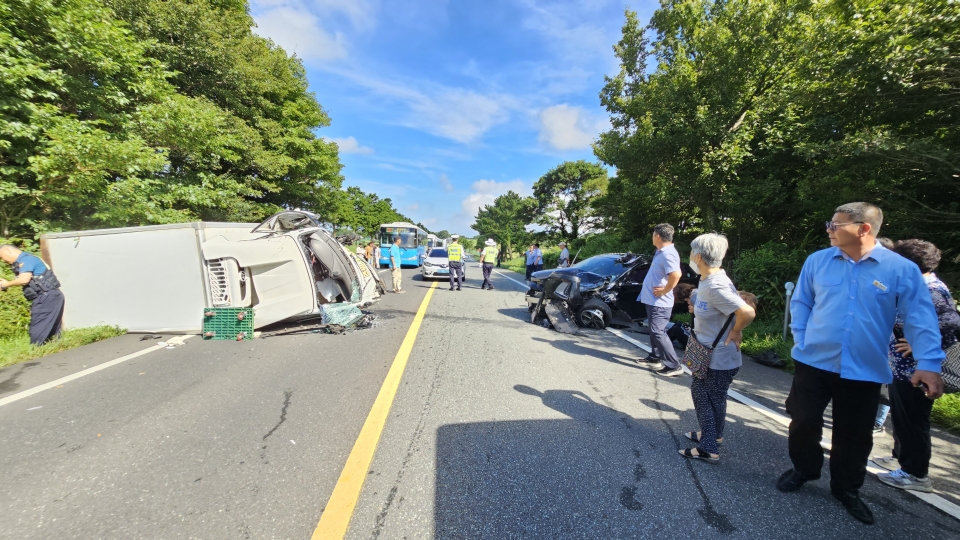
(425, 263)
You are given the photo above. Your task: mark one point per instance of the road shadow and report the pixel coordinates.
(521, 314)
(601, 473)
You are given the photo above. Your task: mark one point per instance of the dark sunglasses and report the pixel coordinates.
(833, 225)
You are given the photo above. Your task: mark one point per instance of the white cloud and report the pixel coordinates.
(454, 113)
(565, 127)
(299, 32)
(445, 183)
(457, 114)
(349, 145)
(300, 27)
(486, 191)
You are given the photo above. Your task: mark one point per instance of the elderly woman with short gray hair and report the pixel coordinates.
(714, 302)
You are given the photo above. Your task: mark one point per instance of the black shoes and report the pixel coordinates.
(854, 505)
(670, 372)
(791, 481)
(649, 359)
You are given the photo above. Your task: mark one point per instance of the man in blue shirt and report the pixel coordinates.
(657, 297)
(395, 264)
(843, 311)
(531, 255)
(41, 287)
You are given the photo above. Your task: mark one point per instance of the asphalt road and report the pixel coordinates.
(499, 429)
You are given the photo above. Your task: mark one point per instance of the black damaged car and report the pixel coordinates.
(597, 292)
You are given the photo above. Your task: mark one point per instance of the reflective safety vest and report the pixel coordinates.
(455, 252)
(490, 254)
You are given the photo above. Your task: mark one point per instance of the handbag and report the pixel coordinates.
(697, 356)
(950, 369)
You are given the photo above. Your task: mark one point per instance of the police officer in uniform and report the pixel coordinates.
(487, 257)
(40, 287)
(455, 259)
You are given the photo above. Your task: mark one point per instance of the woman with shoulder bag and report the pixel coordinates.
(909, 406)
(713, 352)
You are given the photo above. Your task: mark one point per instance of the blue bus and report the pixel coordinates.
(413, 243)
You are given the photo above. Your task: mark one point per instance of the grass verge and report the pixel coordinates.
(18, 348)
(946, 412)
(517, 264)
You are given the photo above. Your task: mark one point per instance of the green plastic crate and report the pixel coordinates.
(225, 323)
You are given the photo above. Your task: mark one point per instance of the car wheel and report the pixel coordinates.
(594, 314)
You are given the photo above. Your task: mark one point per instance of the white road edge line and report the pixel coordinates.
(932, 499)
(520, 283)
(176, 340)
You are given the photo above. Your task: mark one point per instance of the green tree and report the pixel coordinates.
(213, 54)
(565, 197)
(73, 83)
(683, 133)
(506, 220)
(365, 212)
(444, 234)
(181, 114)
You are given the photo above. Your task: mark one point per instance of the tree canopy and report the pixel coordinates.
(134, 112)
(758, 117)
(506, 219)
(565, 198)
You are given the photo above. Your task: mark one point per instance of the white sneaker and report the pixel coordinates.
(889, 463)
(904, 480)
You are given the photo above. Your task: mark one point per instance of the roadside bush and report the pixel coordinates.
(946, 412)
(764, 270)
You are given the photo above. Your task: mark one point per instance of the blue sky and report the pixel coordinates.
(444, 105)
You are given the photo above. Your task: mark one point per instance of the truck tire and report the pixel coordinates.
(594, 313)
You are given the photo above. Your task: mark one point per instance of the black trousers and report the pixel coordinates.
(487, 269)
(910, 409)
(854, 410)
(456, 273)
(530, 269)
(46, 312)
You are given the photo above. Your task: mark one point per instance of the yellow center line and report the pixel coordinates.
(336, 516)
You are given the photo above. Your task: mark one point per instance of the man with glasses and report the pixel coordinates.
(843, 310)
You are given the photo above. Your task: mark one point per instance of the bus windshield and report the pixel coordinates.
(408, 238)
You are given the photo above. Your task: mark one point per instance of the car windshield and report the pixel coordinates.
(601, 265)
(438, 253)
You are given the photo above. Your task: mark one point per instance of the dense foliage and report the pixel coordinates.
(134, 112)
(505, 220)
(758, 117)
(564, 199)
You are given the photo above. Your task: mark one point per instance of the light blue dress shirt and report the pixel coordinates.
(843, 314)
(665, 261)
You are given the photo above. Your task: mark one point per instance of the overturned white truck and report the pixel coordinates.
(160, 278)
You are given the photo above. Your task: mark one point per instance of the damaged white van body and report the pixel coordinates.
(160, 278)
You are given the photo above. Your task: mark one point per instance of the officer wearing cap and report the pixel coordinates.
(40, 287)
(455, 259)
(487, 256)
